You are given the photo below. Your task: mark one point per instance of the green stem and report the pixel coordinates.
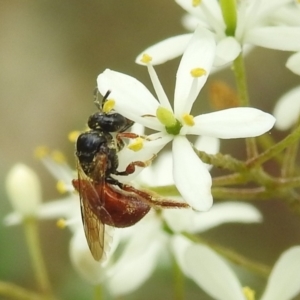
(240, 79)
(241, 194)
(241, 83)
(288, 165)
(231, 179)
(31, 233)
(229, 10)
(11, 291)
(178, 281)
(98, 293)
(222, 161)
(233, 256)
(275, 150)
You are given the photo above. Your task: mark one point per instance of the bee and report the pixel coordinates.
(103, 199)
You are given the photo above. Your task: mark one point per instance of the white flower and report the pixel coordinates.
(257, 24)
(24, 190)
(287, 109)
(143, 245)
(215, 277)
(135, 102)
(67, 207)
(293, 63)
(188, 220)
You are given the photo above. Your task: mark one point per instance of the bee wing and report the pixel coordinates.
(93, 227)
(94, 230)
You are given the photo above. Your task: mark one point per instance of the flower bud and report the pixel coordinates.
(23, 189)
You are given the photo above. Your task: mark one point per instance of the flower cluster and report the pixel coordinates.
(222, 32)
(133, 100)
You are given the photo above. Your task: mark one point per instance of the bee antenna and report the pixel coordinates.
(96, 98)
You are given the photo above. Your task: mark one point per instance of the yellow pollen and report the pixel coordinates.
(41, 151)
(58, 157)
(61, 223)
(73, 135)
(249, 293)
(109, 105)
(196, 2)
(137, 144)
(198, 72)
(146, 58)
(188, 119)
(61, 187)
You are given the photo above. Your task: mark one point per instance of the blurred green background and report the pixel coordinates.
(51, 53)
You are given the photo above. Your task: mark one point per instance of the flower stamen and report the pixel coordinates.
(249, 293)
(196, 3)
(146, 59)
(61, 187)
(41, 152)
(108, 105)
(188, 119)
(61, 223)
(73, 135)
(58, 157)
(137, 144)
(198, 72)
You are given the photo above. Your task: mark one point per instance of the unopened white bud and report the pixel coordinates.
(24, 190)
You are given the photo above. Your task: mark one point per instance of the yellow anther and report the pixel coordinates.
(146, 58)
(249, 293)
(109, 105)
(61, 187)
(198, 72)
(41, 151)
(188, 119)
(165, 116)
(61, 223)
(58, 157)
(196, 2)
(73, 135)
(137, 144)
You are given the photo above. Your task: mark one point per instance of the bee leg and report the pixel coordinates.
(130, 169)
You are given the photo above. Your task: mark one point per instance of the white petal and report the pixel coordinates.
(279, 38)
(83, 261)
(287, 109)
(293, 63)
(221, 213)
(283, 283)
(239, 122)
(133, 99)
(212, 274)
(14, 218)
(227, 51)
(149, 150)
(179, 245)
(64, 208)
(135, 272)
(160, 172)
(24, 190)
(208, 144)
(190, 22)
(166, 50)
(208, 13)
(138, 259)
(190, 175)
(200, 53)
